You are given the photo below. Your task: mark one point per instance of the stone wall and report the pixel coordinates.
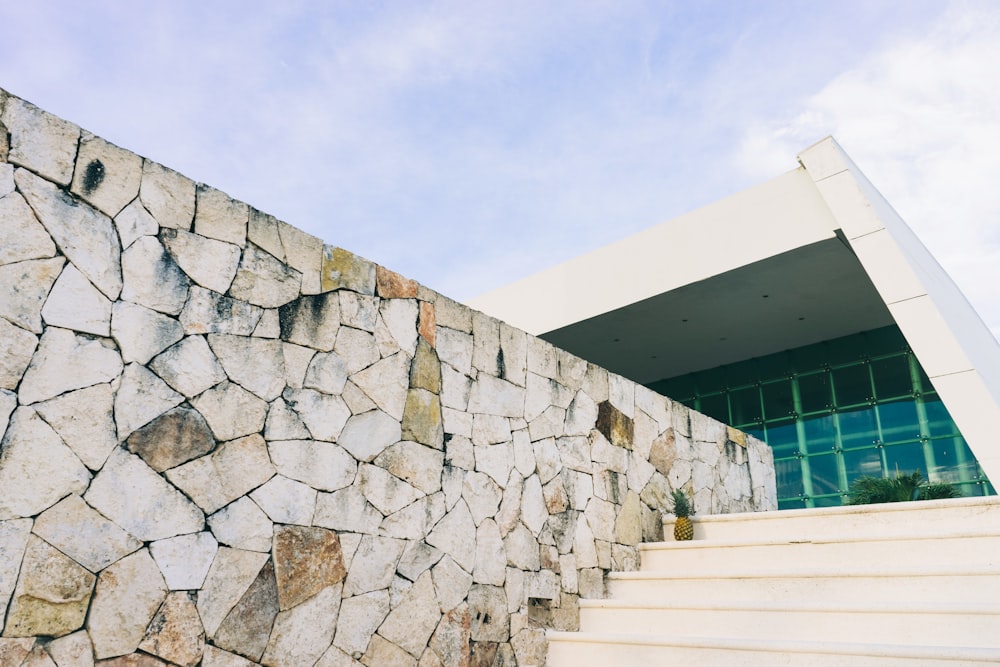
(226, 443)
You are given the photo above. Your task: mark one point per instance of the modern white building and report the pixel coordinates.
(802, 310)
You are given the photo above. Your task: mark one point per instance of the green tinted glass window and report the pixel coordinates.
(789, 476)
(824, 473)
(892, 377)
(899, 421)
(862, 463)
(857, 428)
(938, 420)
(820, 434)
(852, 385)
(814, 392)
(905, 459)
(783, 438)
(778, 399)
(745, 405)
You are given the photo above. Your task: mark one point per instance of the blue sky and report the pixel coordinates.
(468, 144)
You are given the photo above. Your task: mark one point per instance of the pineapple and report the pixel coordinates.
(683, 529)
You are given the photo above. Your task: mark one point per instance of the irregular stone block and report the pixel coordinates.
(262, 230)
(40, 141)
(373, 564)
(30, 282)
(496, 461)
(133, 223)
(283, 423)
(386, 492)
(175, 633)
(297, 639)
(64, 362)
(414, 521)
(413, 620)
(232, 470)
(425, 370)
(347, 509)
(451, 638)
(417, 558)
(13, 541)
(325, 416)
(304, 253)
(383, 652)
(15, 354)
(297, 359)
(255, 364)
(83, 419)
(269, 325)
(455, 349)
(22, 237)
(184, 560)
(345, 270)
(189, 367)
(359, 311)
(327, 372)
(73, 650)
(386, 383)
(215, 657)
(414, 463)
(521, 549)
(488, 613)
(306, 561)
(311, 321)
(152, 278)
(246, 628)
(220, 217)
(455, 535)
(167, 195)
(243, 525)
(357, 348)
(83, 534)
(128, 594)
(426, 326)
(359, 617)
(142, 333)
(86, 237)
(367, 435)
(491, 566)
(286, 501)
(75, 304)
(141, 398)
(391, 285)
(490, 429)
(107, 177)
(231, 411)
(210, 263)
(208, 312)
(36, 468)
(422, 418)
(131, 494)
(264, 280)
(171, 439)
(324, 466)
(14, 651)
(231, 575)
(52, 593)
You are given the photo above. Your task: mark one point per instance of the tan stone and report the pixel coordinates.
(664, 452)
(628, 525)
(218, 658)
(615, 425)
(425, 369)
(106, 176)
(298, 638)
(167, 195)
(306, 560)
(248, 625)
(450, 641)
(73, 650)
(345, 270)
(218, 216)
(232, 573)
(426, 325)
(175, 633)
(133, 660)
(128, 595)
(382, 652)
(52, 593)
(14, 651)
(422, 418)
(391, 285)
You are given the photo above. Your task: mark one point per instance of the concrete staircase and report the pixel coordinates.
(898, 584)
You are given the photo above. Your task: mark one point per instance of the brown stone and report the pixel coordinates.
(427, 327)
(618, 428)
(737, 436)
(556, 500)
(52, 593)
(422, 418)
(246, 628)
(306, 560)
(425, 370)
(345, 270)
(664, 452)
(450, 641)
(173, 438)
(483, 654)
(391, 285)
(176, 633)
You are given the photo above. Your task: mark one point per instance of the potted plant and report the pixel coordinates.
(869, 490)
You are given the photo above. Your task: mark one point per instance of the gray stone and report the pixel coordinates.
(373, 565)
(255, 364)
(304, 253)
(22, 237)
(411, 623)
(215, 657)
(152, 278)
(451, 582)
(490, 429)
(269, 325)
(357, 348)
(133, 223)
(488, 610)
(311, 321)
(283, 424)
(40, 141)
(493, 396)
(455, 535)
(491, 565)
(131, 494)
(414, 521)
(184, 560)
(36, 468)
(171, 439)
(521, 549)
(83, 419)
(243, 525)
(583, 545)
(15, 354)
(459, 452)
(210, 263)
(208, 312)
(386, 383)
(175, 633)
(297, 360)
(327, 373)
(231, 574)
(359, 311)
(455, 389)
(367, 435)
(83, 534)
(388, 494)
(482, 495)
(107, 177)
(232, 470)
(346, 509)
(29, 285)
(360, 616)
(142, 333)
(128, 595)
(231, 411)
(218, 216)
(8, 401)
(86, 237)
(51, 596)
(6, 173)
(64, 362)
(413, 463)
(297, 639)
(167, 195)
(334, 657)
(247, 627)
(324, 466)
(13, 541)
(509, 512)
(455, 348)
(75, 304)
(286, 501)
(325, 416)
(189, 367)
(400, 319)
(417, 558)
(141, 398)
(356, 399)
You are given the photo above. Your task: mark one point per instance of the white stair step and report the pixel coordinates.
(915, 586)
(581, 649)
(878, 622)
(971, 551)
(963, 515)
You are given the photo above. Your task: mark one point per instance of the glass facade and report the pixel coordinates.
(834, 411)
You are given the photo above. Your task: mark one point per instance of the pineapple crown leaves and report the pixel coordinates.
(682, 506)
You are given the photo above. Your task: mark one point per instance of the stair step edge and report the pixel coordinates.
(805, 607)
(947, 570)
(832, 539)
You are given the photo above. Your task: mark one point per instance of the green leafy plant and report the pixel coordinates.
(901, 488)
